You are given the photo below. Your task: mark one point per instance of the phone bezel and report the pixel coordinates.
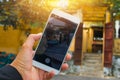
(68, 17)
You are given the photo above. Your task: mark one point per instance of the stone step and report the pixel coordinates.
(91, 65)
(92, 61)
(92, 69)
(93, 57)
(92, 74)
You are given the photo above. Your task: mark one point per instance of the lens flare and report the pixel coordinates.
(63, 3)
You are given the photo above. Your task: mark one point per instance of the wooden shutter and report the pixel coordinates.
(108, 45)
(78, 45)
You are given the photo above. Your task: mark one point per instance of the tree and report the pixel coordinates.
(7, 14)
(115, 8)
(18, 13)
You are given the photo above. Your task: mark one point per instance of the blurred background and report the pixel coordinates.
(97, 41)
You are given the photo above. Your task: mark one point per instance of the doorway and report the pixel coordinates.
(97, 45)
(93, 39)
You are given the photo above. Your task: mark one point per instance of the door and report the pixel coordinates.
(108, 45)
(78, 45)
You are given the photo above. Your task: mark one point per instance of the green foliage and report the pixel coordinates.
(23, 12)
(36, 12)
(116, 7)
(8, 15)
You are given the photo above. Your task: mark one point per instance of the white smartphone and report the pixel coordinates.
(55, 41)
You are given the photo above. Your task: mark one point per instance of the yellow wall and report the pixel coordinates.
(90, 40)
(72, 46)
(12, 40)
(85, 40)
(9, 40)
(116, 47)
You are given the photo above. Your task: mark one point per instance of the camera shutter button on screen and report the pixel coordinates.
(47, 60)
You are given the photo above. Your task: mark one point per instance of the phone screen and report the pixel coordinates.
(55, 41)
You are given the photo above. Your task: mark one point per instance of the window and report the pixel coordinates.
(98, 34)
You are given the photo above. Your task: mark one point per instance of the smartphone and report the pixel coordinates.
(55, 41)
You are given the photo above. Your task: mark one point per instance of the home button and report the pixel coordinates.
(47, 60)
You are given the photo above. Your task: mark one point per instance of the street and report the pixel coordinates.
(70, 77)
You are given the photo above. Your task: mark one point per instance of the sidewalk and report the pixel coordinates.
(70, 77)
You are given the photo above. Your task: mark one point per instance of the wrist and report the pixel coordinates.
(20, 69)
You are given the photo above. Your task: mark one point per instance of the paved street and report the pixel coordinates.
(70, 77)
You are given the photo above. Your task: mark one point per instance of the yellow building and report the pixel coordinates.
(94, 19)
(94, 38)
(11, 40)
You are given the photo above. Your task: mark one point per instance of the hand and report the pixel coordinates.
(23, 62)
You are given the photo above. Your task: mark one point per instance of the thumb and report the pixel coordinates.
(31, 40)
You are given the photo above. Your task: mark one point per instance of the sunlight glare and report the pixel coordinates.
(63, 3)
